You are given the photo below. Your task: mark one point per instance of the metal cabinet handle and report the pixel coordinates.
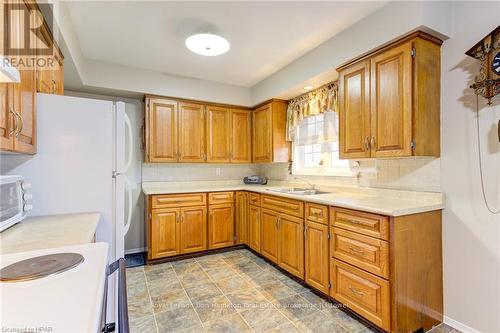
(372, 142)
(53, 86)
(367, 143)
(20, 129)
(14, 128)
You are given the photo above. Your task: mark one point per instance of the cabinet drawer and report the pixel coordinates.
(287, 206)
(316, 213)
(368, 253)
(254, 198)
(215, 198)
(364, 293)
(179, 200)
(365, 223)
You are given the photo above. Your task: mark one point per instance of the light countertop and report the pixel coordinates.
(44, 232)
(70, 301)
(379, 201)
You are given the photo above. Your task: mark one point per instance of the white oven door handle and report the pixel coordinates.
(128, 190)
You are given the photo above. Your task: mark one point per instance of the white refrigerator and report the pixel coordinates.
(80, 166)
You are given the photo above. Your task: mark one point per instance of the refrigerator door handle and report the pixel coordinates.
(130, 143)
(128, 189)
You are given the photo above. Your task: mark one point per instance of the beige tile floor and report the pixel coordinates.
(234, 291)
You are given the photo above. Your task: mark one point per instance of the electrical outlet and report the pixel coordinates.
(217, 171)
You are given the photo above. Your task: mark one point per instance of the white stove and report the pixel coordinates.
(70, 301)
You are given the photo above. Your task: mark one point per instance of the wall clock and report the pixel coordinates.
(487, 51)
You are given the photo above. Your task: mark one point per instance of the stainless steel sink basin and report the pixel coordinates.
(298, 191)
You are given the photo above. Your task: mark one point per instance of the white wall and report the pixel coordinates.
(471, 235)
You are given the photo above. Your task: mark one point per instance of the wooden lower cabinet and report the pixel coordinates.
(241, 218)
(270, 235)
(365, 293)
(220, 226)
(193, 229)
(316, 256)
(165, 233)
(283, 241)
(254, 223)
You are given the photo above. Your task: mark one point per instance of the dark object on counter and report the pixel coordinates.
(255, 180)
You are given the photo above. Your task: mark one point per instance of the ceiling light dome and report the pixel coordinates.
(207, 44)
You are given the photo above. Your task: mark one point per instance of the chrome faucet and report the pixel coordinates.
(313, 187)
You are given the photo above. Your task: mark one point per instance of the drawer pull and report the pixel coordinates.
(355, 222)
(356, 291)
(356, 250)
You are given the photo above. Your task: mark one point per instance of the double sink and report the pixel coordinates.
(297, 191)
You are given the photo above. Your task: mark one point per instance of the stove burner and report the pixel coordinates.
(39, 267)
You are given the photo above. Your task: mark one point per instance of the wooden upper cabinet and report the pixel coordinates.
(389, 101)
(268, 134)
(241, 133)
(161, 130)
(391, 94)
(192, 132)
(218, 134)
(6, 118)
(354, 115)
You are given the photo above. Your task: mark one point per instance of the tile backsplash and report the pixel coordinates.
(166, 172)
(415, 174)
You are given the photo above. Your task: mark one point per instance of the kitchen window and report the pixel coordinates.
(316, 147)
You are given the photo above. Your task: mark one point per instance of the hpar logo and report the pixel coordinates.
(26, 39)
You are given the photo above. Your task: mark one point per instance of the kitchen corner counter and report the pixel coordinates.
(374, 200)
(44, 232)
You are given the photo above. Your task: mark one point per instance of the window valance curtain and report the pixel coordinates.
(312, 103)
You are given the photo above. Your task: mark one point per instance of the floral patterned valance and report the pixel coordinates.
(312, 103)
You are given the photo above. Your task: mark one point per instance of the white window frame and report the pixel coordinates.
(326, 169)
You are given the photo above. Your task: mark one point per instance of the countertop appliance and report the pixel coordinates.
(79, 167)
(259, 180)
(69, 301)
(14, 200)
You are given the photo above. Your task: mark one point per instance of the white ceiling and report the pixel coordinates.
(264, 36)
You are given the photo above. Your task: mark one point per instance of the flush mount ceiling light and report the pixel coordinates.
(207, 44)
(308, 88)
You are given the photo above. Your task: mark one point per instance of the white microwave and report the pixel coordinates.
(14, 200)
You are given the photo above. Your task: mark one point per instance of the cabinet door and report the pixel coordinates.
(391, 94)
(241, 133)
(316, 256)
(24, 92)
(191, 132)
(161, 142)
(6, 118)
(218, 134)
(45, 75)
(58, 72)
(220, 226)
(241, 218)
(270, 235)
(354, 112)
(193, 234)
(165, 233)
(262, 135)
(254, 228)
(291, 244)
